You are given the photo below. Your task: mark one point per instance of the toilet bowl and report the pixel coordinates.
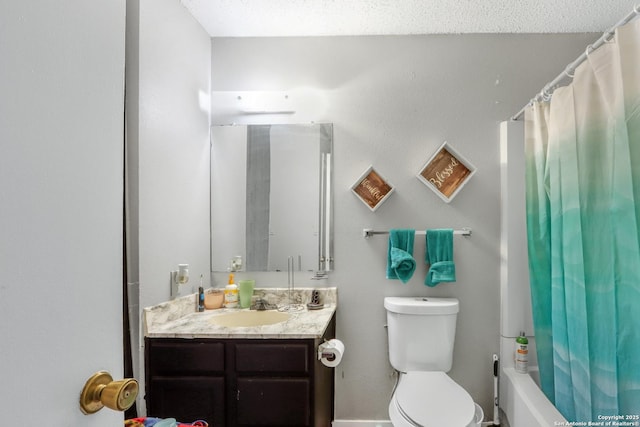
(431, 399)
(421, 332)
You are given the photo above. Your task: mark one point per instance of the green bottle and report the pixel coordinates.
(522, 354)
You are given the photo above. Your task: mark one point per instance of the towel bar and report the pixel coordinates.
(368, 232)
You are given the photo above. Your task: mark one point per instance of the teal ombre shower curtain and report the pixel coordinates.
(583, 223)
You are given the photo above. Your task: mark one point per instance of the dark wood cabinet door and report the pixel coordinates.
(188, 399)
(273, 402)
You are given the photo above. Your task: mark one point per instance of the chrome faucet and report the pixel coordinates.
(261, 305)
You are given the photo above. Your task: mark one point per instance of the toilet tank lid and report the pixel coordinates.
(422, 305)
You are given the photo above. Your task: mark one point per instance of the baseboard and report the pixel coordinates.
(361, 423)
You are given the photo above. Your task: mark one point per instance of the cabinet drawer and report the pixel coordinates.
(274, 357)
(182, 357)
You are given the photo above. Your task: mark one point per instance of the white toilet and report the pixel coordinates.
(421, 335)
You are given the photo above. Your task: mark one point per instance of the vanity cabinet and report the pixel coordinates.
(240, 381)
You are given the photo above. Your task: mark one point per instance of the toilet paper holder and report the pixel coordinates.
(329, 356)
(325, 354)
(330, 352)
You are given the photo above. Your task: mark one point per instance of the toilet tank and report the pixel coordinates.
(421, 332)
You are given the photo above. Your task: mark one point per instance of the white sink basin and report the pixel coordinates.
(250, 318)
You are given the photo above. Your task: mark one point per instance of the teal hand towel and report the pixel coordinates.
(440, 257)
(400, 261)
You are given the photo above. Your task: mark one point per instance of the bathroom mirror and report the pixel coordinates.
(271, 197)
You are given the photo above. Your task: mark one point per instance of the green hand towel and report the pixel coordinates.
(400, 261)
(440, 257)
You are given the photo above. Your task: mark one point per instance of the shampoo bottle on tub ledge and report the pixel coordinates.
(522, 354)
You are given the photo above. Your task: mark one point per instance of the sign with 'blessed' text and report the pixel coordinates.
(446, 172)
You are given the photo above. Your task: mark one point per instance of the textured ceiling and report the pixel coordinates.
(273, 18)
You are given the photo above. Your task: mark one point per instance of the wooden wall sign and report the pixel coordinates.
(372, 189)
(446, 172)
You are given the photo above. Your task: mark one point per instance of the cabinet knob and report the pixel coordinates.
(101, 390)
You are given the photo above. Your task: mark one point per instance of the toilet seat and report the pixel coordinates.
(431, 399)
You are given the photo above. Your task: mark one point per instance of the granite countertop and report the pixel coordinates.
(178, 319)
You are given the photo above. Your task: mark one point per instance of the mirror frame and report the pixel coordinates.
(325, 234)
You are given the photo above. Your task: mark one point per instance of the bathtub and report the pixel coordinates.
(524, 404)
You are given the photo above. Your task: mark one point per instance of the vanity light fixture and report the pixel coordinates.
(263, 102)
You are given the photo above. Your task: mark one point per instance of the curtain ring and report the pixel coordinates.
(588, 50)
(544, 95)
(568, 73)
(608, 36)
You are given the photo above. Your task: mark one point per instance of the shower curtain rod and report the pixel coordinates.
(548, 89)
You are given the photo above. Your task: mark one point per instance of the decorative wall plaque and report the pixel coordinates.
(446, 172)
(372, 188)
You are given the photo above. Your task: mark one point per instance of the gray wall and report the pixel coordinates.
(393, 101)
(168, 72)
(173, 148)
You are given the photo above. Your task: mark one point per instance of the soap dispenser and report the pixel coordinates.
(231, 293)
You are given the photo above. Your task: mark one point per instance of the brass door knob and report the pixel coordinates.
(100, 390)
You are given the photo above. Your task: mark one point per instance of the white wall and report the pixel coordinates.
(61, 181)
(168, 71)
(515, 293)
(393, 101)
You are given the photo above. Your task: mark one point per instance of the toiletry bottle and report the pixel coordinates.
(522, 354)
(200, 299)
(231, 293)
